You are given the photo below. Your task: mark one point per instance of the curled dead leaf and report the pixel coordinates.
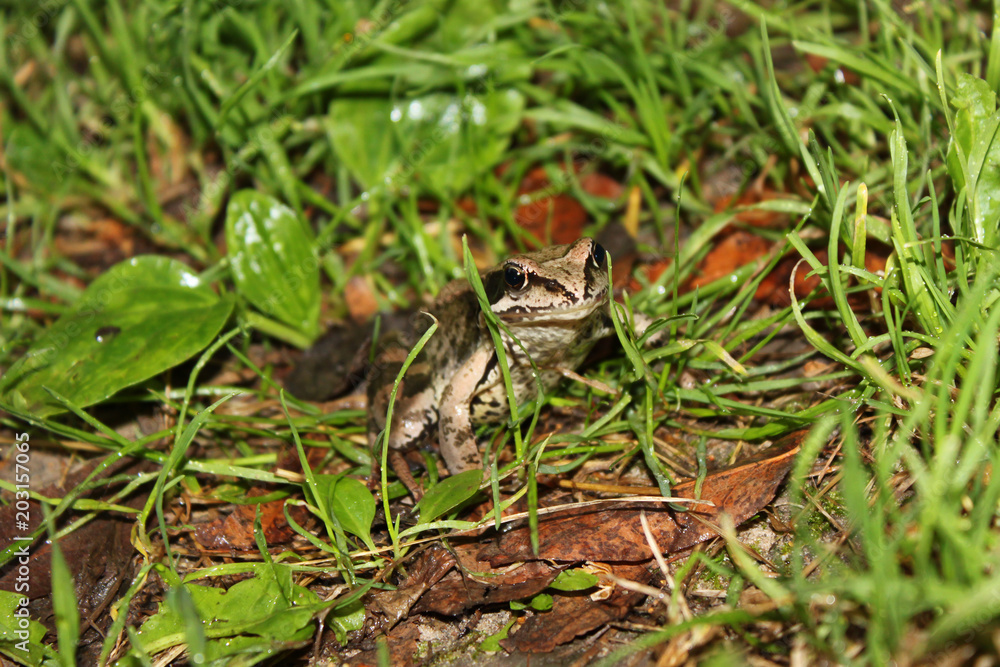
(603, 533)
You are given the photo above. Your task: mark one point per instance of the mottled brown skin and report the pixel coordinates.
(554, 301)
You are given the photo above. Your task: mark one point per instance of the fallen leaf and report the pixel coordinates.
(818, 63)
(599, 185)
(405, 647)
(99, 555)
(755, 217)
(475, 582)
(360, 299)
(773, 289)
(393, 606)
(552, 215)
(235, 532)
(652, 271)
(614, 533)
(555, 219)
(450, 582)
(735, 250)
(572, 616)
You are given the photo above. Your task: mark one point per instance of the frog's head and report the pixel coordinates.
(562, 283)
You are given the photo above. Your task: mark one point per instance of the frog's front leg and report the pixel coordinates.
(457, 439)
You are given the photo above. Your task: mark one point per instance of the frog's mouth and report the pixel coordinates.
(518, 317)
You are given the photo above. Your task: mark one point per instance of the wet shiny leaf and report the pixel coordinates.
(441, 139)
(973, 153)
(273, 260)
(138, 319)
(251, 619)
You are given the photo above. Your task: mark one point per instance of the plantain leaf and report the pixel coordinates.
(274, 260)
(138, 319)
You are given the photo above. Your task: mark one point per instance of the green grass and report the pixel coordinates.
(341, 118)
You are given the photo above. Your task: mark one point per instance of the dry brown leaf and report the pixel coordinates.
(603, 533)
(554, 216)
(755, 217)
(735, 250)
(572, 616)
(235, 532)
(599, 185)
(476, 582)
(360, 299)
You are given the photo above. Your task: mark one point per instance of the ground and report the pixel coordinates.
(800, 194)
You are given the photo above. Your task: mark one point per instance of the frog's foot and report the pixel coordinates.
(403, 474)
(402, 470)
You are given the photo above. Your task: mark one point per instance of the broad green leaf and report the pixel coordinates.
(20, 636)
(362, 138)
(450, 493)
(180, 598)
(351, 503)
(464, 23)
(274, 260)
(974, 154)
(141, 317)
(254, 616)
(574, 580)
(440, 139)
(348, 618)
(541, 602)
(492, 643)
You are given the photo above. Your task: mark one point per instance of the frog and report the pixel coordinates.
(554, 305)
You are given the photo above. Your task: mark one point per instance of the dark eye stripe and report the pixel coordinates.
(494, 285)
(592, 277)
(555, 287)
(598, 255)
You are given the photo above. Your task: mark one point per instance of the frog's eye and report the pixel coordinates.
(598, 255)
(514, 277)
